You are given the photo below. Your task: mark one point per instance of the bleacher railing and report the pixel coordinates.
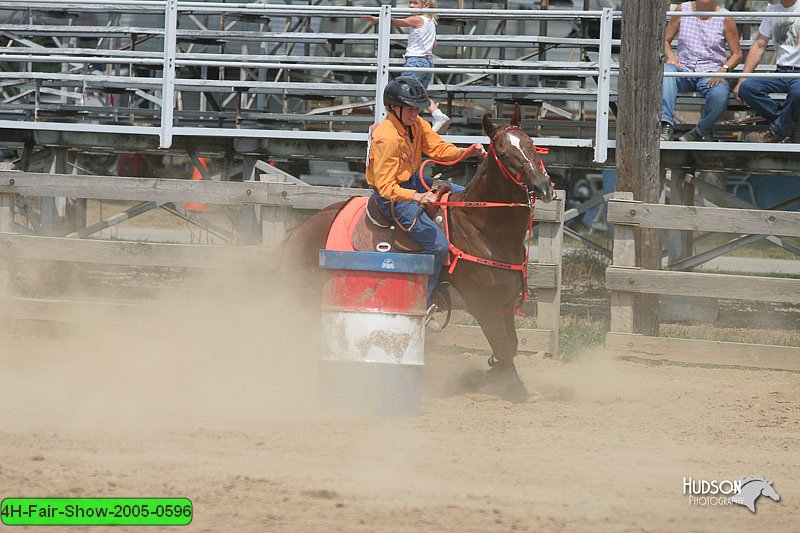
(314, 73)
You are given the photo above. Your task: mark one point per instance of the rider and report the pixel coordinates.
(395, 154)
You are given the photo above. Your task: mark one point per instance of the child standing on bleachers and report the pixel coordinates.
(419, 52)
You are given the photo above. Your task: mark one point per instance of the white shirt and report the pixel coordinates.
(784, 32)
(422, 39)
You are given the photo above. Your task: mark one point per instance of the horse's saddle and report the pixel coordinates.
(360, 226)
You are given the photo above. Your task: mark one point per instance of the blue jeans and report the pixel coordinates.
(716, 98)
(424, 78)
(425, 231)
(783, 119)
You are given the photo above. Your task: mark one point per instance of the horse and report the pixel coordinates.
(488, 245)
(752, 488)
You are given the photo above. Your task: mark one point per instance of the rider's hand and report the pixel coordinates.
(475, 150)
(424, 198)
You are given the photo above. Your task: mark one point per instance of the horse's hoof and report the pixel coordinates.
(504, 381)
(516, 394)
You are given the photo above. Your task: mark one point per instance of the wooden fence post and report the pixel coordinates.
(6, 226)
(624, 256)
(273, 220)
(638, 149)
(548, 300)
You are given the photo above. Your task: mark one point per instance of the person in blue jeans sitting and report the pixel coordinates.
(701, 48)
(784, 120)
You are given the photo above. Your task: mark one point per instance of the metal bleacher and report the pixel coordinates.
(291, 82)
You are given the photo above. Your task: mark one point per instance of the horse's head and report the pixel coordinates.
(518, 157)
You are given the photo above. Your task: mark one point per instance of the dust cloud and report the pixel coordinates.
(228, 351)
(208, 391)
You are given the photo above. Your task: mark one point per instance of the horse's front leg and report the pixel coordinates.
(498, 327)
(493, 323)
(511, 334)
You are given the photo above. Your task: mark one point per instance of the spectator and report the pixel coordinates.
(701, 48)
(784, 32)
(419, 52)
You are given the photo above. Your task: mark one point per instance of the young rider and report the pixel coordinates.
(395, 154)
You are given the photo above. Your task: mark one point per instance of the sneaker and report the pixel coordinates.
(441, 123)
(433, 326)
(692, 136)
(666, 132)
(763, 137)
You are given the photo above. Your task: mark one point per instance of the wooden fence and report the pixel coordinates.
(625, 280)
(274, 200)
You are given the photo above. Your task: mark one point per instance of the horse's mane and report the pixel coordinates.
(471, 183)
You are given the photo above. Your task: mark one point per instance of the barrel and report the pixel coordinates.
(373, 331)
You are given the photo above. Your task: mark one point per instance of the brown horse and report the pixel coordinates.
(512, 173)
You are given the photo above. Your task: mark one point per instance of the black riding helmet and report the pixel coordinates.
(406, 91)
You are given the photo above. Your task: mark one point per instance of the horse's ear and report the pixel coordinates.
(516, 118)
(488, 127)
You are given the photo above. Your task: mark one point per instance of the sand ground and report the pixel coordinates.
(219, 407)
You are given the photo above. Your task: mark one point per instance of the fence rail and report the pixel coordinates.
(625, 280)
(273, 199)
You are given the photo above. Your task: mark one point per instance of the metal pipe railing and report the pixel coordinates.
(378, 66)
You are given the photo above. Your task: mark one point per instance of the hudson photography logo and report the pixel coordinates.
(744, 491)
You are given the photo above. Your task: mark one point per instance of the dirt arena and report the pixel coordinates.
(217, 404)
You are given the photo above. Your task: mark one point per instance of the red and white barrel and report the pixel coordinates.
(373, 331)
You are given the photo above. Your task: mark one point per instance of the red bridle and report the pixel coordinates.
(528, 162)
(503, 169)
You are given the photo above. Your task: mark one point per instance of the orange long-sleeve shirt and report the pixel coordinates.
(393, 157)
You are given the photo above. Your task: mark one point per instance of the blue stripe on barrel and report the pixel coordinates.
(376, 262)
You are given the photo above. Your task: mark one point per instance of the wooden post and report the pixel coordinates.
(548, 301)
(6, 226)
(681, 193)
(273, 220)
(624, 256)
(638, 157)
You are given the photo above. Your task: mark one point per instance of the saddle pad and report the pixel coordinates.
(351, 232)
(340, 234)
